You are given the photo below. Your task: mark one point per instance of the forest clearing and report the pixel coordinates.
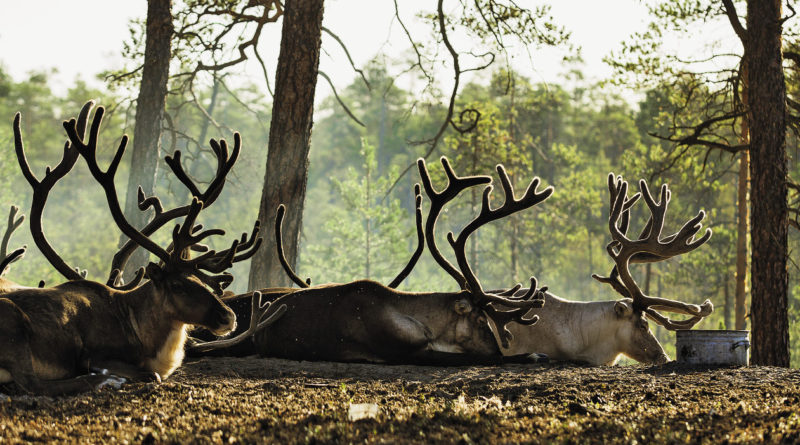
(366, 221)
(257, 400)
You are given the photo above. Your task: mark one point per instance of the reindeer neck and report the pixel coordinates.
(596, 321)
(429, 307)
(144, 311)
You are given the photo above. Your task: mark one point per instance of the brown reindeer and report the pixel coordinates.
(599, 332)
(53, 337)
(367, 321)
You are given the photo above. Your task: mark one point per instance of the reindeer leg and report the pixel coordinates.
(124, 369)
(534, 357)
(75, 385)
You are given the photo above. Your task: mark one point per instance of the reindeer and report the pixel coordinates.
(599, 332)
(52, 337)
(366, 321)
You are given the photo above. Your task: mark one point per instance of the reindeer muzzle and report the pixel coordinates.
(222, 321)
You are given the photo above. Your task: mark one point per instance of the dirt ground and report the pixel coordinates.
(255, 400)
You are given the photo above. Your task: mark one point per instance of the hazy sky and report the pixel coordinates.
(83, 37)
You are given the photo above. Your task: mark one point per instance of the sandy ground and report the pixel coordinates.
(256, 400)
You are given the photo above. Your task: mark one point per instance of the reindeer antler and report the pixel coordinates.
(41, 189)
(650, 246)
(420, 240)
(455, 185)
(184, 236)
(225, 162)
(281, 256)
(534, 298)
(487, 214)
(13, 224)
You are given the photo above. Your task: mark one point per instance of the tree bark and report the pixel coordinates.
(768, 219)
(743, 214)
(150, 107)
(741, 239)
(290, 131)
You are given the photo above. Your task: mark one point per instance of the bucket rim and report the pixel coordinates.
(706, 331)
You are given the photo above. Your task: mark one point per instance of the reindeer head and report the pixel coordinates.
(633, 335)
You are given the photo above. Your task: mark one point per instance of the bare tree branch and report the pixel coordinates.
(347, 53)
(733, 17)
(338, 99)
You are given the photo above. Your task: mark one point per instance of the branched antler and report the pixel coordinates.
(225, 161)
(650, 246)
(41, 189)
(455, 185)
(185, 235)
(466, 278)
(13, 224)
(487, 214)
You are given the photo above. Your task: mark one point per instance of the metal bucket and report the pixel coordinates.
(709, 347)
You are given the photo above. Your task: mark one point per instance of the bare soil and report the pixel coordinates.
(256, 400)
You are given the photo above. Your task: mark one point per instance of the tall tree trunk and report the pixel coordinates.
(149, 114)
(743, 210)
(289, 135)
(768, 219)
(741, 239)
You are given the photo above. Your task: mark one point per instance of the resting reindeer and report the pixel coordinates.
(53, 337)
(599, 332)
(367, 321)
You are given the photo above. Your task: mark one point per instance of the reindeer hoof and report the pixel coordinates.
(150, 377)
(537, 357)
(526, 358)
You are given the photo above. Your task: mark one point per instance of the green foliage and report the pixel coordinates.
(363, 237)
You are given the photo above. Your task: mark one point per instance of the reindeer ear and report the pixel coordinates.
(623, 308)
(462, 307)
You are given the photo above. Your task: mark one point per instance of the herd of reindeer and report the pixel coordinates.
(82, 335)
